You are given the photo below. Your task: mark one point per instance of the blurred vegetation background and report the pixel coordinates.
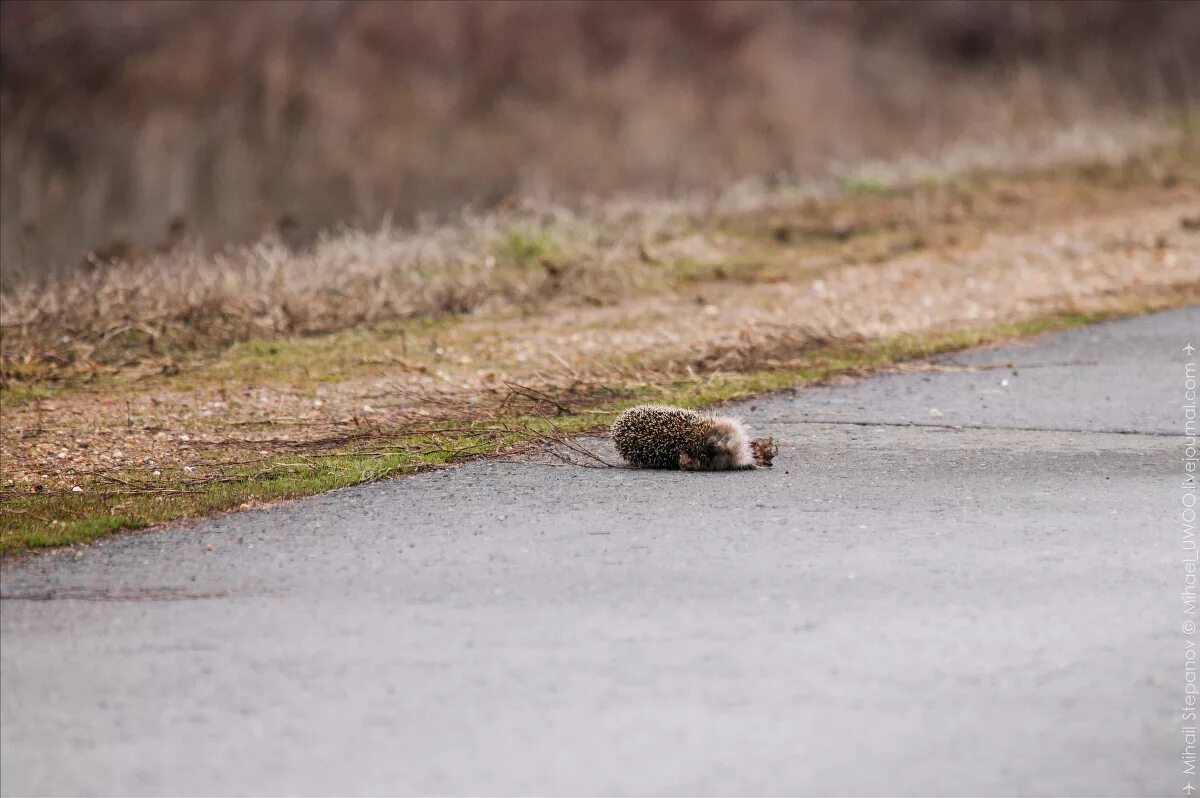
(130, 126)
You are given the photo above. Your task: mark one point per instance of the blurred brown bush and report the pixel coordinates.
(128, 125)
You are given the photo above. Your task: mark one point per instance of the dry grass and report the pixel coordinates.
(178, 304)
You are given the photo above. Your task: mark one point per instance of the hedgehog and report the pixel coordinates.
(660, 436)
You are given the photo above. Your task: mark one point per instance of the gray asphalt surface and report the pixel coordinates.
(893, 609)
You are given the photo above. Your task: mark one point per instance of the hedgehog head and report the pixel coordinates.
(725, 448)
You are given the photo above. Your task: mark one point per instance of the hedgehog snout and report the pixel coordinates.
(721, 450)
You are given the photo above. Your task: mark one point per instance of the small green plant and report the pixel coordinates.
(861, 184)
(524, 247)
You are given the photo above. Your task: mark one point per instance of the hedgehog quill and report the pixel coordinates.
(661, 436)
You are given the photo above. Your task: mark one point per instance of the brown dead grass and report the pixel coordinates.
(179, 305)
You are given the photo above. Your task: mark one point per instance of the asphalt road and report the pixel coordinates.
(985, 601)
